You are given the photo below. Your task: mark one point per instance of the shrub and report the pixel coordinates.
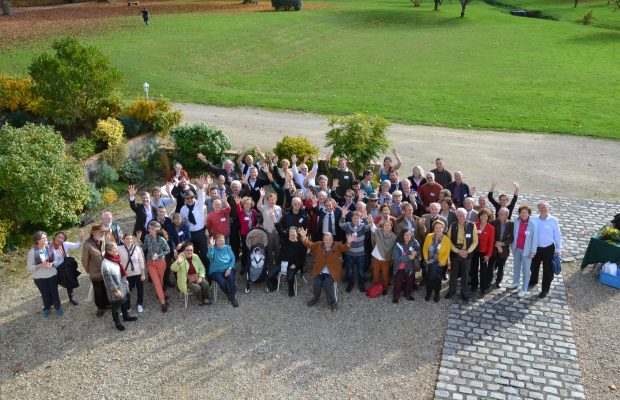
(358, 138)
(104, 176)
(108, 132)
(116, 155)
(131, 125)
(39, 184)
(16, 94)
(416, 3)
(83, 148)
(587, 19)
(289, 145)
(286, 5)
(199, 138)
(75, 84)
(109, 196)
(94, 197)
(6, 227)
(157, 114)
(131, 172)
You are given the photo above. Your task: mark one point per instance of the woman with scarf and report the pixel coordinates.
(117, 288)
(155, 248)
(436, 251)
(247, 217)
(41, 263)
(132, 260)
(405, 259)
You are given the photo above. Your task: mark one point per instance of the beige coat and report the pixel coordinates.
(92, 258)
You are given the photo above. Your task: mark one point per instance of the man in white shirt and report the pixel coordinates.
(549, 244)
(193, 213)
(300, 174)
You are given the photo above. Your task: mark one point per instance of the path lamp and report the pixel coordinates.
(146, 89)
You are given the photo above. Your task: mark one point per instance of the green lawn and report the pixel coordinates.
(488, 70)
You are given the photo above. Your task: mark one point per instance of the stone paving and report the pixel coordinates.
(503, 347)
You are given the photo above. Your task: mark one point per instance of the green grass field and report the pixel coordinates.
(488, 70)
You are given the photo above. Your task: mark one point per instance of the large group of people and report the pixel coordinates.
(405, 233)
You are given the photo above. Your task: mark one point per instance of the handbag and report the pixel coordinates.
(374, 290)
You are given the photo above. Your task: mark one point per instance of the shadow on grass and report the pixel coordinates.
(610, 36)
(417, 17)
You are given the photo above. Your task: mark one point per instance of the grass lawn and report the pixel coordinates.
(488, 70)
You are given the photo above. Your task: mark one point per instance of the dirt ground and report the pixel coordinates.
(554, 165)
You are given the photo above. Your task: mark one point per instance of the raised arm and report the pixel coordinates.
(399, 162)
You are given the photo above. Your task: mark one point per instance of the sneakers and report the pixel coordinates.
(521, 293)
(513, 286)
(140, 309)
(46, 313)
(73, 301)
(60, 312)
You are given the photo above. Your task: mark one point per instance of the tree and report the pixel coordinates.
(39, 185)
(76, 85)
(199, 138)
(358, 138)
(5, 7)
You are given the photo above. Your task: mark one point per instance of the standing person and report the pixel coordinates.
(245, 161)
(293, 254)
(217, 221)
(463, 242)
(146, 16)
(235, 223)
(132, 261)
(272, 214)
(524, 247)
(446, 210)
(343, 175)
(145, 212)
(366, 183)
(228, 170)
(222, 269)
(41, 262)
(178, 235)
(117, 288)
(429, 192)
(165, 223)
(248, 219)
(411, 222)
(384, 172)
(503, 240)
(191, 273)
(384, 240)
(113, 230)
(436, 252)
(406, 256)
(503, 199)
(194, 213)
(180, 190)
(468, 205)
(302, 173)
(549, 244)
(355, 261)
(156, 248)
(60, 247)
(417, 178)
(441, 174)
(480, 266)
(433, 216)
(93, 251)
(176, 173)
(158, 201)
(327, 267)
(254, 183)
(459, 190)
(328, 221)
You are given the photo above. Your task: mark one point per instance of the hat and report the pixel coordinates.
(373, 196)
(96, 228)
(189, 194)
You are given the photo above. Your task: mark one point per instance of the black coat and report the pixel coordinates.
(141, 216)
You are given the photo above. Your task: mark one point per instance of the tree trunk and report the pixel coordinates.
(5, 7)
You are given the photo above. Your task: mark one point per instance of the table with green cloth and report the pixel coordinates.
(600, 251)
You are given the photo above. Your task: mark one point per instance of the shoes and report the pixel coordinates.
(73, 301)
(521, 293)
(60, 312)
(532, 285)
(333, 306)
(164, 307)
(466, 300)
(513, 286)
(312, 302)
(410, 298)
(235, 303)
(449, 296)
(542, 295)
(362, 289)
(348, 289)
(422, 283)
(384, 292)
(427, 297)
(119, 326)
(415, 287)
(129, 318)
(291, 291)
(140, 309)
(497, 285)
(395, 301)
(100, 312)
(436, 298)
(46, 313)
(166, 297)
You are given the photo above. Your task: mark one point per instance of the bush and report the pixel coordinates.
(108, 132)
(131, 125)
(416, 3)
(104, 176)
(16, 94)
(131, 172)
(358, 138)
(94, 199)
(75, 84)
(588, 18)
(116, 155)
(109, 196)
(39, 184)
(286, 5)
(83, 148)
(6, 228)
(302, 147)
(157, 114)
(199, 138)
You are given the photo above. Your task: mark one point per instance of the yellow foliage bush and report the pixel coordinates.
(109, 196)
(6, 227)
(156, 113)
(116, 155)
(16, 94)
(109, 131)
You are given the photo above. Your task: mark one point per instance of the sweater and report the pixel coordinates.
(398, 257)
(444, 249)
(113, 280)
(220, 259)
(357, 246)
(92, 256)
(136, 266)
(383, 243)
(31, 263)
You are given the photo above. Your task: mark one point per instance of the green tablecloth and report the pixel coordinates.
(600, 251)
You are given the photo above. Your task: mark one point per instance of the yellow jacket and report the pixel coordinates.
(444, 250)
(183, 268)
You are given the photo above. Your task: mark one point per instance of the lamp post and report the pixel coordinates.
(146, 89)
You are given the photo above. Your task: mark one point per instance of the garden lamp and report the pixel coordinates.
(146, 89)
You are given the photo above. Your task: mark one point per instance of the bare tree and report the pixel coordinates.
(5, 7)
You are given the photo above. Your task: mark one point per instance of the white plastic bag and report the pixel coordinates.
(610, 268)
(90, 298)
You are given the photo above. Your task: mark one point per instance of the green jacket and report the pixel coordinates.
(182, 268)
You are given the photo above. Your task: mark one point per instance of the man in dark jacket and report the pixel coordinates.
(328, 221)
(504, 236)
(145, 212)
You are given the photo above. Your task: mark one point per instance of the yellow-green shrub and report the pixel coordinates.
(116, 155)
(109, 196)
(156, 113)
(108, 131)
(6, 227)
(16, 93)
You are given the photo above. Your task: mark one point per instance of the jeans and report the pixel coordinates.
(544, 255)
(227, 284)
(135, 281)
(49, 292)
(521, 264)
(356, 263)
(326, 283)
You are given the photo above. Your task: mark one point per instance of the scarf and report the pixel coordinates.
(117, 260)
(190, 215)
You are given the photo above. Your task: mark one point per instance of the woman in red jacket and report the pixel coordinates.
(480, 261)
(248, 220)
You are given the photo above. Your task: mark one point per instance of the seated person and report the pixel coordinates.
(222, 267)
(191, 272)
